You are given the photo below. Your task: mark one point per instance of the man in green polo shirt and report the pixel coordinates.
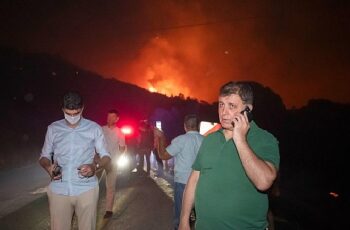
(234, 168)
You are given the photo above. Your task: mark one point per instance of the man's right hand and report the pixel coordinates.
(45, 163)
(158, 133)
(55, 172)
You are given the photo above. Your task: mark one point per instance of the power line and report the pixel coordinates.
(226, 21)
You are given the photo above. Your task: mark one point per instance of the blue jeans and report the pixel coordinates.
(178, 194)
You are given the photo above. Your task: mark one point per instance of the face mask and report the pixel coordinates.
(72, 119)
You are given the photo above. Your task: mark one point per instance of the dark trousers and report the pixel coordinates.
(159, 161)
(142, 154)
(178, 194)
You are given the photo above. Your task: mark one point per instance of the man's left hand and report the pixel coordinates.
(87, 170)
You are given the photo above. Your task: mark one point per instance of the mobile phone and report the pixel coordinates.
(159, 125)
(249, 113)
(57, 170)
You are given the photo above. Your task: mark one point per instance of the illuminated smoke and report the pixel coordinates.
(158, 69)
(271, 43)
(196, 60)
(193, 47)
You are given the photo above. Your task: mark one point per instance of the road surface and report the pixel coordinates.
(141, 202)
(20, 186)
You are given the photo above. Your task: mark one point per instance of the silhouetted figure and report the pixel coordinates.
(145, 146)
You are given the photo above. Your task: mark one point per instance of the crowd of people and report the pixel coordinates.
(224, 177)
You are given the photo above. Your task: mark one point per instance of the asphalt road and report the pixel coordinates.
(147, 206)
(141, 202)
(21, 186)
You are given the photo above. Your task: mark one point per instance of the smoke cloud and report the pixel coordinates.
(193, 47)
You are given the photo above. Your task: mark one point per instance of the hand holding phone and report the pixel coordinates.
(56, 172)
(86, 170)
(159, 125)
(249, 114)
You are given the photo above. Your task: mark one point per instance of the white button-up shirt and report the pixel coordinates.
(72, 147)
(114, 138)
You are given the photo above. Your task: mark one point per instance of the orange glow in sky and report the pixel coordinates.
(157, 70)
(194, 47)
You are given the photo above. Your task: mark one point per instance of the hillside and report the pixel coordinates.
(312, 139)
(33, 84)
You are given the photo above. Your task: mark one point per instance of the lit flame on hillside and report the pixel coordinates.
(152, 89)
(160, 69)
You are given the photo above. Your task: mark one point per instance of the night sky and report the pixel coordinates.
(299, 49)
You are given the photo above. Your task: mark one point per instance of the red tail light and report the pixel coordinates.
(127, 130)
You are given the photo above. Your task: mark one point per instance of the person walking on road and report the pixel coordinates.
(74, 186)
(183, 149)
(234, 168)
(115, 140)
(144, 147)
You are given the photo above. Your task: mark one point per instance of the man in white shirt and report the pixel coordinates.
(73, 141)
(115, 140)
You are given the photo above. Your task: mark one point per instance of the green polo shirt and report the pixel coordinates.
(225, 198)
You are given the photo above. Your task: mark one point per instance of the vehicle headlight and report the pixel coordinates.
(122, 161)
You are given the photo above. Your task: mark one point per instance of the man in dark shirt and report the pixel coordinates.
(145, 146)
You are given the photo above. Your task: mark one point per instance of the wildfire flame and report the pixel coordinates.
(152, 89)
(158, 69)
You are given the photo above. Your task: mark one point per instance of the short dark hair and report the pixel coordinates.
(115, 111)
(72, 100)
(191, 121)
(242, 89)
